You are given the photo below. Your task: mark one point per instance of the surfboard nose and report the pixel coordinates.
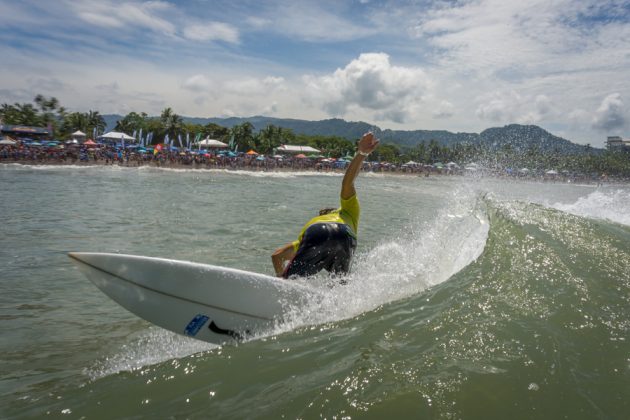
(76, 255)
(89, 258)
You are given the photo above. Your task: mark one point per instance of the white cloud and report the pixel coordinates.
(110, 14)
(311, 21)
(212, 31)
(196, 83)
(510, 106)
(371, 83)
(611, 114)
(444, 110)
(271, 109)
(498, 106)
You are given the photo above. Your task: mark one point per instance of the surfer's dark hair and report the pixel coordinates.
(327, 210)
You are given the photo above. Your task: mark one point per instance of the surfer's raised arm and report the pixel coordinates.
(366, 145)
(327, 241)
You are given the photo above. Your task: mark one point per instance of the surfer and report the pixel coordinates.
(328, 241)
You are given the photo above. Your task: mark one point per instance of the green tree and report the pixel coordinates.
(387, 153)
(212, 130)
(172, 124)
(132, 122)
(243, 136)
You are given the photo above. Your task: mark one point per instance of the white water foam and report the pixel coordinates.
(155, 345)
(422, 257)
(283, 173)
(611, 205)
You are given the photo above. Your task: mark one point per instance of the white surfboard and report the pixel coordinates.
(210, 303)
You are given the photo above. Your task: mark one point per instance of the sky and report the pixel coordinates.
(461, 65)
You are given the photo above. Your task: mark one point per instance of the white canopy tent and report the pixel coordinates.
(7, 142)
(116, 135)
(289, 148)
(78, 135)
(208, 142)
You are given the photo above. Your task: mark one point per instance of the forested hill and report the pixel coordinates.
(514, 136)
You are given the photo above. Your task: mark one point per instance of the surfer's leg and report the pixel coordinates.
(325, 246)
(313, 254)
(345, 244)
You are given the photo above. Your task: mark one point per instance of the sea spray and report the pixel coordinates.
(148, 347)
(417, 257)
(536, 326)
(607, 204)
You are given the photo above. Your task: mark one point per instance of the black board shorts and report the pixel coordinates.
(324, 246)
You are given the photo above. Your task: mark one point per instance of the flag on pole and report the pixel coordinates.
(122, 141)
(232, 142)
(157, 149)
(179, 138)
(166, 140)
(94, 133)
(187, 140)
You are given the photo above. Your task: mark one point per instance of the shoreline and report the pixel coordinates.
(310, 171)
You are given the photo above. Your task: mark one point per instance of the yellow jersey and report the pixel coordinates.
(348, 214)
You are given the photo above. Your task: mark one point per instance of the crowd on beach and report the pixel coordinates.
(92, 153)
(162, 156)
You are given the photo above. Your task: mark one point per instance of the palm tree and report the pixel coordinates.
(244, 135)
(171, 122)
(95, 120)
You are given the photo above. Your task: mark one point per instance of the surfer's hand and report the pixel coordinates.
(368, 143)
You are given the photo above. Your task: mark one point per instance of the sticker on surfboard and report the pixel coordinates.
(195, 325)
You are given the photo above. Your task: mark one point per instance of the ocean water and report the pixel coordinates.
(468, 298)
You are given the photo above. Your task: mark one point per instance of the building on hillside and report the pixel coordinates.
(26, 132)
(616, 143)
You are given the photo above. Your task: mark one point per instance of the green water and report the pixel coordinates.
(468, 299)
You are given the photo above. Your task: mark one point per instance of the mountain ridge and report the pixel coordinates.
(515, 136)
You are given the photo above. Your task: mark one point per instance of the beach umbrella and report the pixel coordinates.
(35, 143)
(301, 156)
(231, 154)
(7, 142)
(251, 152)
(260, 158)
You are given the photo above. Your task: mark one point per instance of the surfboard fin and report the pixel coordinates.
(218, 330)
